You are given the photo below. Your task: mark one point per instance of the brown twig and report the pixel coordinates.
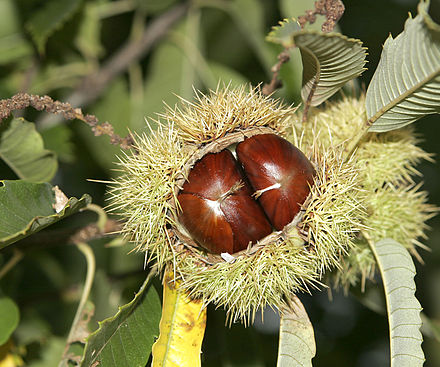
(92, 85)
(276, 83)
(331, 9)
(40, 103)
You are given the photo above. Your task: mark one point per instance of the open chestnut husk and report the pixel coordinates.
(369, 191)
(228, 204)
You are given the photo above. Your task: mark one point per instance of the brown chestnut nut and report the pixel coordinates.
(217, 206)
(280, 174)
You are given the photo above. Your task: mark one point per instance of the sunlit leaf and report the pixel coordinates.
(297, 340)
(403, 309)
(49, 18)
(125, 339)
(21, 147)
(329, 61)
(9, 317)
(26, 208)
(406, 83)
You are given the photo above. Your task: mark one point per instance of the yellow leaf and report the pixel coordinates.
(182, 327)
(7, 357)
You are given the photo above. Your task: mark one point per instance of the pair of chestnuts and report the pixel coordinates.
(228, 204)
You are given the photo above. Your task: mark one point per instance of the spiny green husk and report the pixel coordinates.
(213, 116)
(344, 201)
(294, 262)
(386, 164)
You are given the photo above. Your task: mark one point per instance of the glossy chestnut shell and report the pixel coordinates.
(225, 204)
(280, 174)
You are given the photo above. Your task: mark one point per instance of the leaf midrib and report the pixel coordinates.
(382, 111)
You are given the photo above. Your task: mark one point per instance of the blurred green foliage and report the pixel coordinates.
(51, 47)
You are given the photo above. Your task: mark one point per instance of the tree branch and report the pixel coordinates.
(275, 83)
(22, 100)
(92, 85)
(331, 9)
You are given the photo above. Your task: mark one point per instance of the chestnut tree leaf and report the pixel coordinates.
(9, 317)
(13, 44)
(27, 207)
(297, 340)
(114, 106)
(21, 147)
(251, 26)
(406, 83)
(282, 33)
(50, 17)
(182, 327)
(88, 38)
(125, 339)
(329, 61)
(397, 270)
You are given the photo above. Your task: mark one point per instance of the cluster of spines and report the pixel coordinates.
(226, 110)
(386, 163)
(343, 203)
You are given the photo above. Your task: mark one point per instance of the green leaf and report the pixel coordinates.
(297, 340)
(406, 83)
(58, 138)
(125, 340)
(26, 208)
(282, 33)
(13, 44)
(21, 147)
(9, 317)
(114, 106)
(329, 61)
(248, 15)
(88, 38)
(155, 6)
(403, 309)
(165, 79)
(49, 18)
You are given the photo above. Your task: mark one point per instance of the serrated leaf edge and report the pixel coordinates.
(282, 23)
(430, 24)
(110, 319)
(318, 65)
(395, 340)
